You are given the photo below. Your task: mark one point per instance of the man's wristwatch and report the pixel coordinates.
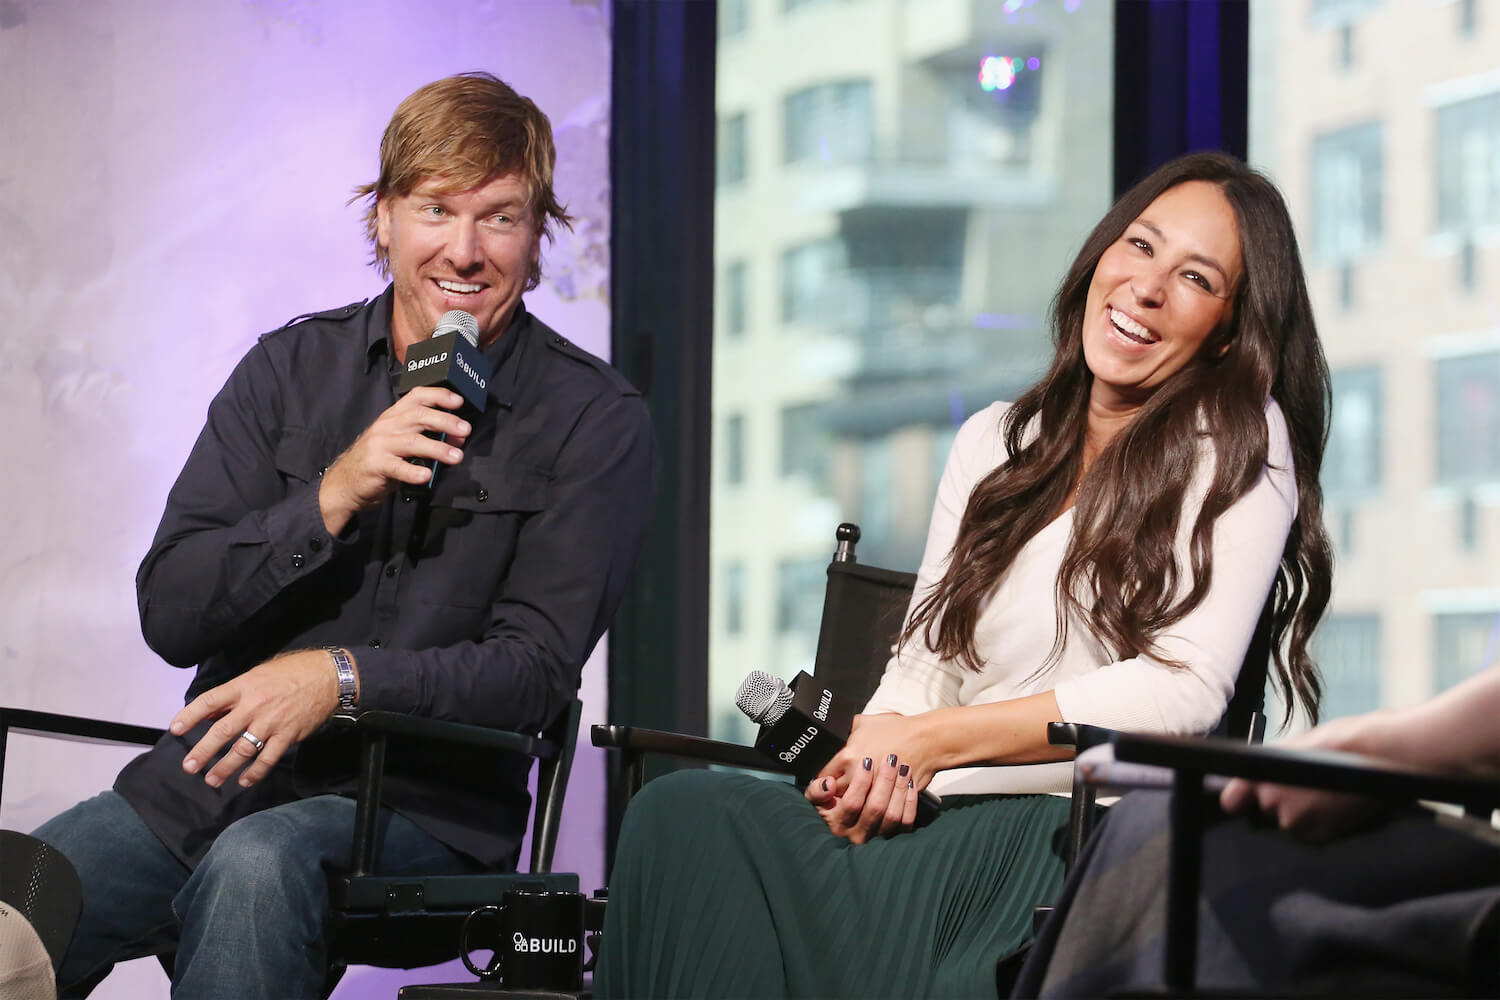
(343, 663)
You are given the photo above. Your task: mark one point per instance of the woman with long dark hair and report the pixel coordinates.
(1100, 552)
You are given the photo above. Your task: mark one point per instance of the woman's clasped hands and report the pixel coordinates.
(870, 787)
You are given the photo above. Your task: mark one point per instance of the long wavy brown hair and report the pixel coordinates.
(1122, 554)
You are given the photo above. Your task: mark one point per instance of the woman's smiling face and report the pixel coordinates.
(1159, 292)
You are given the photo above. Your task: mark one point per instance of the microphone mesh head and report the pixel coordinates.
(764, 698)
(459, 322)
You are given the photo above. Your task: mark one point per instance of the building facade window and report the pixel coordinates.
(1347, 177)
(808, 276)
(1341, 11)
(732, 159)
(804, 443)
(734, 449)
(1351, 463)
(799, 596)
(736, 298)
(1465, 643)
(734, 18)
(1347, 650)
(1468, 419)
(829, 123)
(734, 598)
(1468, 164)
(877, 480)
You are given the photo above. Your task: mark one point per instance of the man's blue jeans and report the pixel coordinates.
(248, 922)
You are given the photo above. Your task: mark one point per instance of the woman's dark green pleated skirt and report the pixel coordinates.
(726, 885)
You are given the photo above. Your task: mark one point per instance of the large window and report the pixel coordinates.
(1390, 164)
(1468, 164)
(938, 165)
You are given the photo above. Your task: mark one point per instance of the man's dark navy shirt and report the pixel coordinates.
(478, 603)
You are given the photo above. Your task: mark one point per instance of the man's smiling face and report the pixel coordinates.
(469, 250)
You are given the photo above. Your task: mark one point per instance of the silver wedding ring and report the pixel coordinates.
(250, 738)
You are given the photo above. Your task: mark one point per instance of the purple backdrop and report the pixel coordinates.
(173, 181)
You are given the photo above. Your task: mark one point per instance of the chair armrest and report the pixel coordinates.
(1080, 735)
(76, 727)
(375, 725)
(70, 727)
(1327, 769)
(401, 724)
(637, 741)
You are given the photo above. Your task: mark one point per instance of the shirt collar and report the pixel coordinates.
(378, 328)
(503, 357)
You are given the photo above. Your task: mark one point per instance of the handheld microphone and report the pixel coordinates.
(449, 358)
(803, 725)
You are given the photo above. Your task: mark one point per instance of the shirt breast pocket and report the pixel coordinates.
(475, 519)
(302, 456)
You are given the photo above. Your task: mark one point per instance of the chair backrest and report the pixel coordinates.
(863, 609)
(865, 606)
(552, 786)
(1245, 718)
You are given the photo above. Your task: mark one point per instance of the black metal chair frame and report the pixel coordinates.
(377, 916)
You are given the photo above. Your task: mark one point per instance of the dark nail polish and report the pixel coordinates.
(869, 763)
(903, 769)
(890, 760)
(911, 783)
(825, 784)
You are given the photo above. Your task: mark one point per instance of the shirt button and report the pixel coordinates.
(316, 544)
(482, 495)
(406, 498)
(297, 561)
(390, 571)
(374, 643)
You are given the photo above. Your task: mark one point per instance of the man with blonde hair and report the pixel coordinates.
(331, 545)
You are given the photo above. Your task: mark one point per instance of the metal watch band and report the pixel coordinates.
(343, 664)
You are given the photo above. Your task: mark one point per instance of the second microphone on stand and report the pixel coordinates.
(803, 725)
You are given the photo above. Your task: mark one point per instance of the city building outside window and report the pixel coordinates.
(928, 187)
(1388, 167)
